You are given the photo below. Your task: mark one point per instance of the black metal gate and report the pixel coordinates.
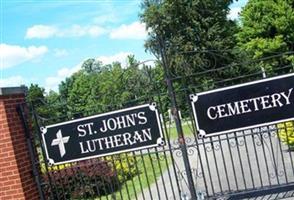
(247, 164)
(239, 165)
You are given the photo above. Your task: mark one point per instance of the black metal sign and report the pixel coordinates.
(105, 134)
(244, 106)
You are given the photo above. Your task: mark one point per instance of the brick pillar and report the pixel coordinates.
(16, 179)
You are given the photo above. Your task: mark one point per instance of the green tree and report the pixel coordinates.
(195, 35)
(36, 98)
(36, 94)
(56, 106)
(46, 105)
(65, 86)
(96, 89)
(91, 65)
(267, 28)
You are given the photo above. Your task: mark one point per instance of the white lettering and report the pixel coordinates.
(108, 142)
(265, 102)
(221, 111)
(233, 110)
(82, 131)
(142, 118)
(255, 103)
(210, 115)
(82, 148)
(147, 134)
(83, 128)
(131, 120)
(249, 105)
(104, 127)
(127, 138)
(117, 140)
(287, 97)
(137, 137)
(121, 123)
(276, 100)
(244, 106)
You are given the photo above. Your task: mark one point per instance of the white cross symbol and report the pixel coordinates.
(60, 141)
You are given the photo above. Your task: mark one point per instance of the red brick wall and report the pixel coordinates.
(16, 180)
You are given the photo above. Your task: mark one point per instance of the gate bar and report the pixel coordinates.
(177, 119)
(36, 174)
(262, 192)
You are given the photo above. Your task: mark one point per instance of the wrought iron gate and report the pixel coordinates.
(257, 162)
(235, 165)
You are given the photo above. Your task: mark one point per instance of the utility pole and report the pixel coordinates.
(177, 119)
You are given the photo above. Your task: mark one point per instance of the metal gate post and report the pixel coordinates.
(36, 173)
(177, 119)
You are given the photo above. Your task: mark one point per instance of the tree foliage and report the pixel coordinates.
(195, 36)
(267, 28)
(36, 97)
(36, 94)
(99, 88)
(191, 32)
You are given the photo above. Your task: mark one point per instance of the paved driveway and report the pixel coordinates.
(228, 165)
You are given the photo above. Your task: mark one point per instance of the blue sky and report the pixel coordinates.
(45, 41)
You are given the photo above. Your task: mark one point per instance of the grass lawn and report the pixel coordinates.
(150, 168)
(133, 186)
(172, 131)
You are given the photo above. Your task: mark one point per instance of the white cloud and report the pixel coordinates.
(12, 55)
(96, 31)
(135, 30)
(119, 57)
(60, 53)
(41, 32)
(12, 81)
(234, 13)
(44, 31)
(108, 18)
(51, 83)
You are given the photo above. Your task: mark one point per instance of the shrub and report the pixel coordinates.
(82, 179)
(124, 166)
(90, 178)
(286, 133)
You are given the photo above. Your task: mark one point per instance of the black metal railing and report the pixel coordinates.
(235, 165)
